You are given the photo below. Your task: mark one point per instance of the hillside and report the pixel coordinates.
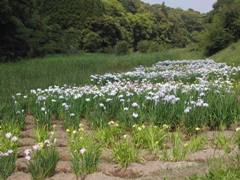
(72, 26)
(230, 55)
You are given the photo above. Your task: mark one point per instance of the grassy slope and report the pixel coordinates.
(58, 70)
(231, 55)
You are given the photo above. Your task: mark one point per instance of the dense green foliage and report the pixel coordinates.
(35, 28)
(31, 28)
(121, 47)
(222, 26)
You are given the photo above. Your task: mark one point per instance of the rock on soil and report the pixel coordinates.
(107, 155)
(62, 176)
(26, 142)
(20, 176)
(101, 176)
(29, 119)
(21, 165)
(29, 127)
(63, 166)
(27, 134)
(64, 153)
(61, 142)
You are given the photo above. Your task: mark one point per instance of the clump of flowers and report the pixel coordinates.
(8, 148)
(85, 161)
(42, 159)
(85, 153)
(190, 92)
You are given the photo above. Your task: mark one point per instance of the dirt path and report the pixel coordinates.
(196, 163)
(64, 164)
(26, 141)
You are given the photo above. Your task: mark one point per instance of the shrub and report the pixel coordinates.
(217, 39)
(71, 41)
(108, 50)
(148, 46)
(91, 41)
(121, 47)
(143, 46)
(154, 47)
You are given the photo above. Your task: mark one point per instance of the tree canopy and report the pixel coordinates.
(36, 27)
(222, 26)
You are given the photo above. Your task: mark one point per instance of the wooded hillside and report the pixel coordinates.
(31, 28)
(36, 27)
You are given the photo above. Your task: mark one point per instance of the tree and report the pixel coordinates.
(223, 27)
(70, 13)
(21, 29)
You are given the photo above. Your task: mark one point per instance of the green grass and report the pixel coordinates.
(222, 169)
(231, 55)
(75, 69)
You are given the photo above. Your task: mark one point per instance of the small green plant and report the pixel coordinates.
(79, 138)
(124, 152)
(41, 134)
(237, 138)
(42, 161)
(222, 142)
(85, 152)
(180, 149)
(150, 137)
(7, 164)
(85, 161)
(196, 143)
(108, 135)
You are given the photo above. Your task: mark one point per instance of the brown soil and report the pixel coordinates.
(149, 167)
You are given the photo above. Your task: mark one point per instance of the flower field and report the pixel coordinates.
(171, 112)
